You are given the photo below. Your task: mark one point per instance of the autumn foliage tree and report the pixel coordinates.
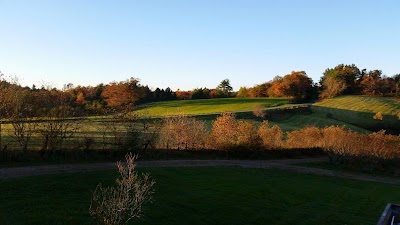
(183, 95)
(271, 137)
(224, 130)
(182, 133)
(123, 94)
(260, 90)
(296, 85)
(332, 87)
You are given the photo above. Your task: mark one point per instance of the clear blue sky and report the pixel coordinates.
(187, 44)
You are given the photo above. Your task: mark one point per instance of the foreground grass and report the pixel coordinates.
(385, 105)
(224, 195)
(389, 170)
(205, 106)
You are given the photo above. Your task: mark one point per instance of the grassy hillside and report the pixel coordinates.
(316, 119)
(199, 196)
(387, 106)
(205, 106)
(359, 111)
(287, 119)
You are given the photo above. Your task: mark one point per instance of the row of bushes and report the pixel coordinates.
(227, 132)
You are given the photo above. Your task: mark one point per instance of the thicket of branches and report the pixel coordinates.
(228, 133)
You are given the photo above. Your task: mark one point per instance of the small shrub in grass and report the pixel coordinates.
(258, 111)
(378, 116)
(120, 203)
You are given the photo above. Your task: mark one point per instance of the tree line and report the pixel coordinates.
(340, 80)
(116, 96)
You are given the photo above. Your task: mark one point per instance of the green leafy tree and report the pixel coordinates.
(225, 88)
(342, 75)
(242, 93)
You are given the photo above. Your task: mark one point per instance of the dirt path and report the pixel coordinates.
(285, 164)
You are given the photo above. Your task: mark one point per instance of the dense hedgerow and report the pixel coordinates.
(339, 143)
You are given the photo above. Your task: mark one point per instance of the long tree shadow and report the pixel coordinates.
(365, 120)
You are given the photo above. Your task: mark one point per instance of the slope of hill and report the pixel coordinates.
(387, 106)
(205, 106)
(360, 111)
(355, 112)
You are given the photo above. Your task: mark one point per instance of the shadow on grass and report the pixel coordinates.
(361, 119)
(18, 158)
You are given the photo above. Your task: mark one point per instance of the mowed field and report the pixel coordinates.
(197, 196)
(360, 110)
(385, 105)
(354, 112)
(207, 106)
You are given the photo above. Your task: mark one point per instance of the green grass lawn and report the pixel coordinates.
(205, 106)
(389, 170)
(385, 105)
(213, 195)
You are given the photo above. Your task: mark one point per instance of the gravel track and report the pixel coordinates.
(285, 164)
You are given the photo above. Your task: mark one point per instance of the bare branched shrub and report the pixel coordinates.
(149, 133)
(224, 130)
(123, 202)
(182, 132)
(308, 137)
(24, 128)
(271, 137)
(258, 111)
(59, 123)
(131, 132)
(378, 116)
(55, 130)
(17, 105)
(88, 143)
(111, 132)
